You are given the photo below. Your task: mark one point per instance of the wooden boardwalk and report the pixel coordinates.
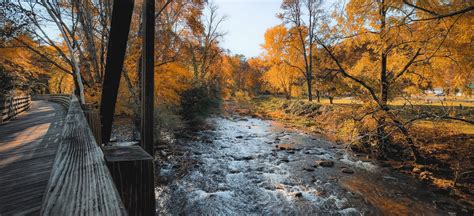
(28, 147)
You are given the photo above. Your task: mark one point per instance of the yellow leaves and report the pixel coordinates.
(365, 66)
(281, 78)
(275, 43)
(170, 80)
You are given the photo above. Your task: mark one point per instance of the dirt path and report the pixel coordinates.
(247, 166)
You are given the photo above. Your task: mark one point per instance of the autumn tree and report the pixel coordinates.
(281, 57)
(257, 67)
(303, 17)
(398, 49)
(83, 30)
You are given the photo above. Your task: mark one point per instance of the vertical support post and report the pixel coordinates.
(148, 78)
(119, 29)
(147, 102)
(128, 165)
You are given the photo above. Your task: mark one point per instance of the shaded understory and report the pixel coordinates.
(252, 166)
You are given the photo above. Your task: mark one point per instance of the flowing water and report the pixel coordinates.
(238, 168)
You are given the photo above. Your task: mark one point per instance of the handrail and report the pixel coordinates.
(62, 99)
(12, 106)
(80, 182)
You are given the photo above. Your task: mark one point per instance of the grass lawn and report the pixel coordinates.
(273, 104)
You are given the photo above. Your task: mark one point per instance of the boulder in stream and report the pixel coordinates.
(325, 163)
(347, 171)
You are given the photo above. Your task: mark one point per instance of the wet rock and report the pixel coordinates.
(320, 193)
(280, 187)
(234, 171)
(288, 147)
(325, 163)
(347, 171)
(248, 158)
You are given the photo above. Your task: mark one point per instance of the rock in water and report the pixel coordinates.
(347, 171)
(325, 163)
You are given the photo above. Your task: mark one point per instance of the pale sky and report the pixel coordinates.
(247, 21)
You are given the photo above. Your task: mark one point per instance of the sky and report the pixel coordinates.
(247, 21)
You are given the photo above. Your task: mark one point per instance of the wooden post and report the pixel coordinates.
(127, 164)
(148, 90)
(148, 57)
(119, 29)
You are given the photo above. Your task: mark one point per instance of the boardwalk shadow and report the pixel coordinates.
(28, 146)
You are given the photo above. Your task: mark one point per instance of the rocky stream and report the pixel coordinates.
(249, 166)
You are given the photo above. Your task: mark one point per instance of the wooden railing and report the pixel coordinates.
(62, 99)
(92, 115)
(12, 106)
(91, 179)
(93, 119)
(80, 182)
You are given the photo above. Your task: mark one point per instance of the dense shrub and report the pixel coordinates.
(198, 102)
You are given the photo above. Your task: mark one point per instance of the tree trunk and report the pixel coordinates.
(309, 84)
(75, 64)
(85, 20)
(382, 139)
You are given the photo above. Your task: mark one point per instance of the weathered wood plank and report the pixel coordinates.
(80, 183)
(27, 152)
(125, 153)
